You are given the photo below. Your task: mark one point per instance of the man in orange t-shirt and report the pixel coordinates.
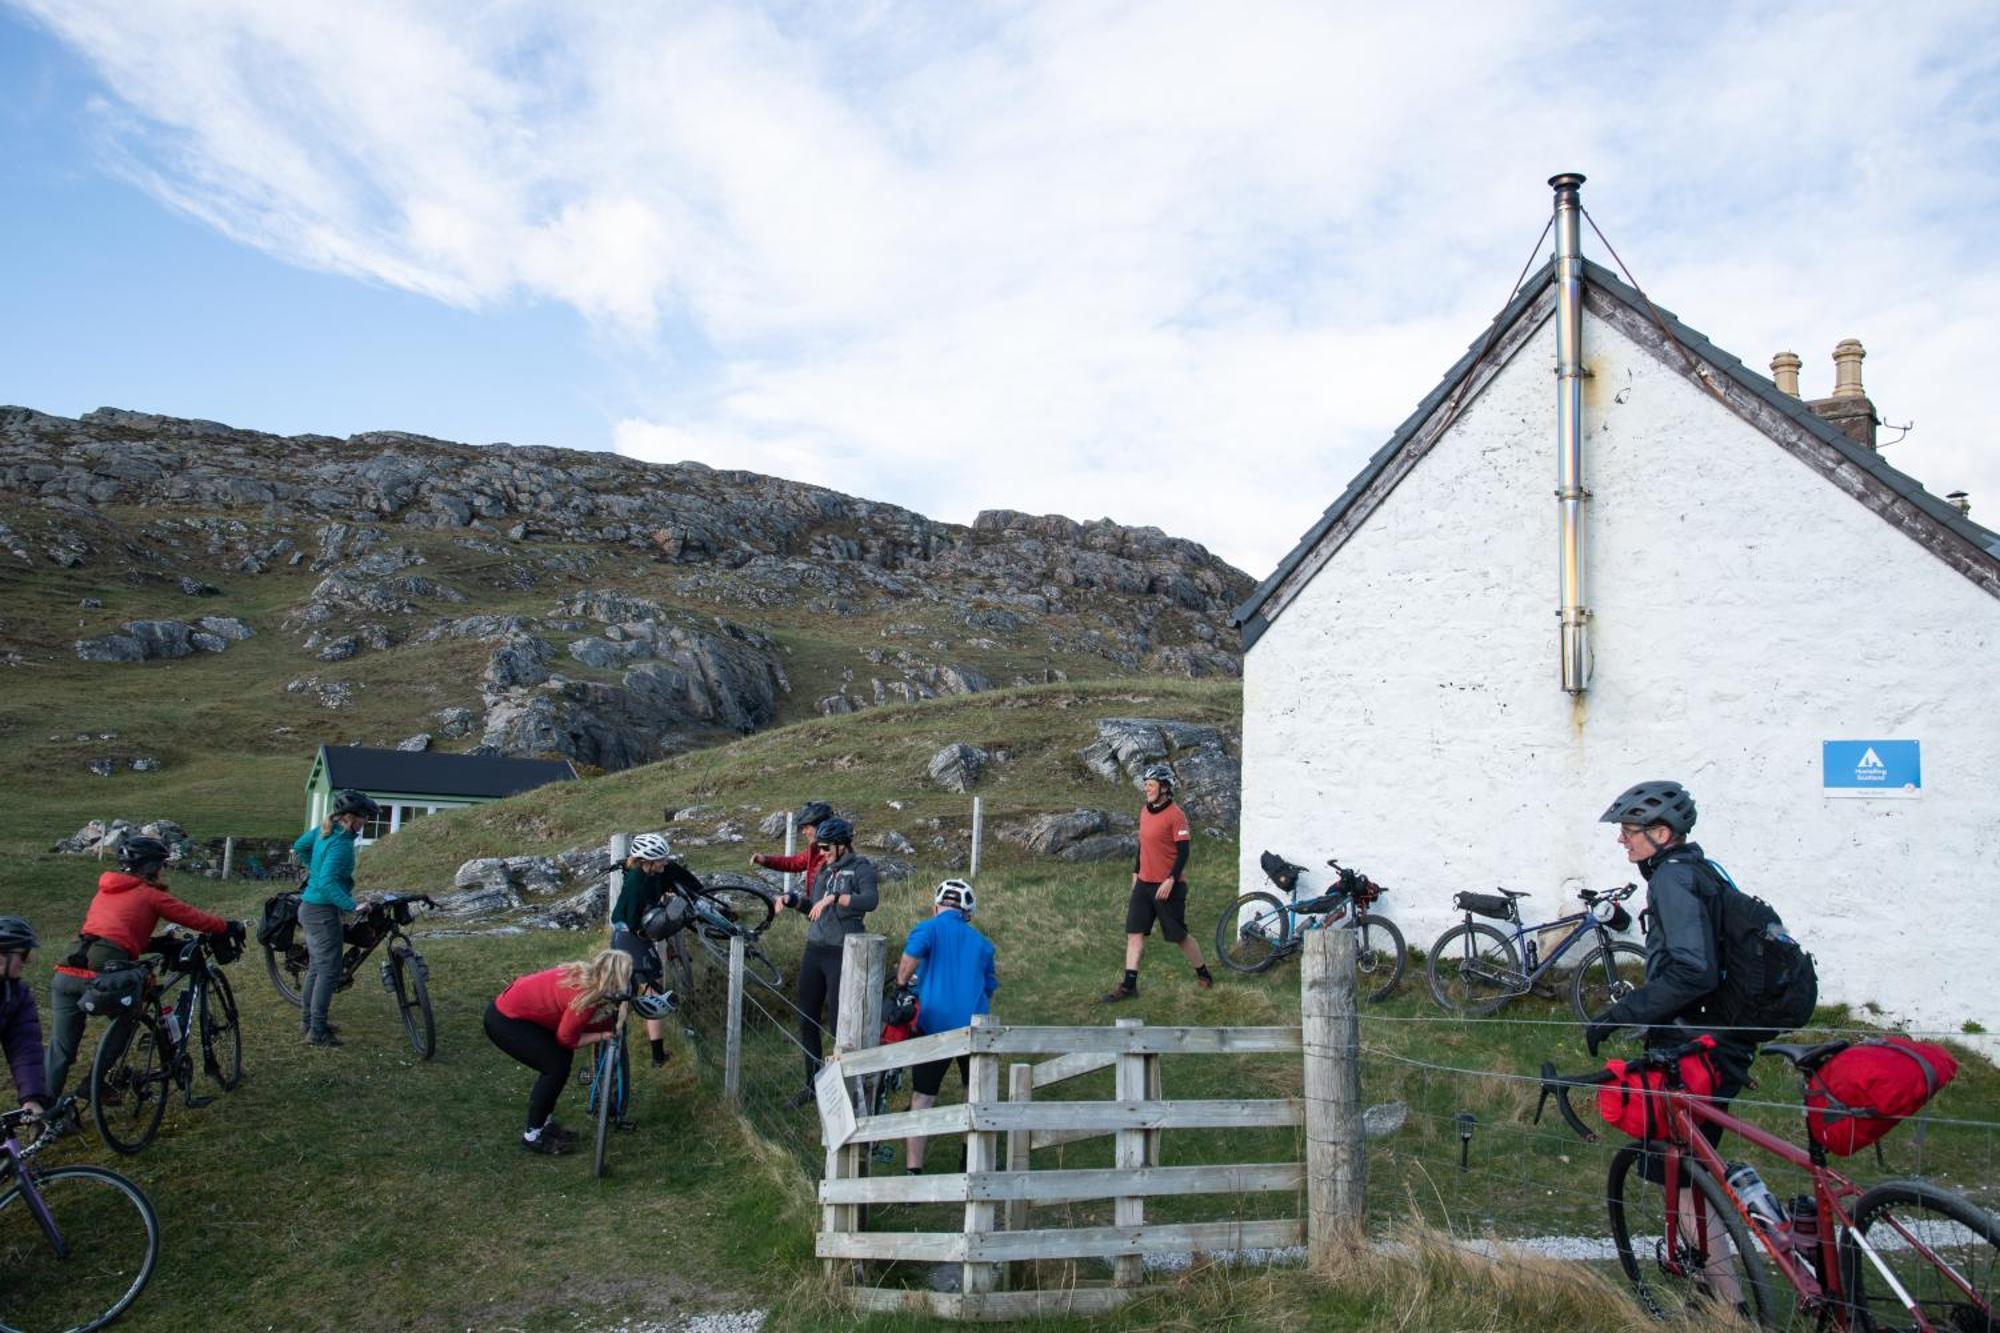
(1159, 884)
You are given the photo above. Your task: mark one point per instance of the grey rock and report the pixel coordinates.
(1101, 847)
(161, 638)
(606, 655)
(145, 764)
(957, 766)
(111, 648)
(91, 604)
(889, 868)
(693, 813)
(518, 662)
(1208, 778)
(196, 588)
(485, 872)
(226, 627)
(415, 744)
(1046, 835)
(340, 649)
(773, 825)
(483, 901)
(580, 911)
(834, 705)
(455, 723)
(203, 641)
(104, 768)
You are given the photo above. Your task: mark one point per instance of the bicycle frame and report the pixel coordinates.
(14, 1165)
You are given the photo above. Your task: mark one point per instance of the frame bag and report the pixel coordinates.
(1630, 1103)
(1868, 1089)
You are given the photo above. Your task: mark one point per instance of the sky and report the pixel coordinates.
(1179, 264)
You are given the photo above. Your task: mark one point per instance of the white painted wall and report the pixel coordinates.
(1405, 711)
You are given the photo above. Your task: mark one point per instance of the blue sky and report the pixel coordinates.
(1176, 263)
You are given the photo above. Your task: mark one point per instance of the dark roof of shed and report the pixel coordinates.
(1248, 616)
(434, 773)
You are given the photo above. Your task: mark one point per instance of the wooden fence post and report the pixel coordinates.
(791, 847)
(732, 1045)
(1336, 1153)
(1020, 1088)
(860, 1025)
(1128, 1270)
(982, 1152)
(228, 855)
(620, 848)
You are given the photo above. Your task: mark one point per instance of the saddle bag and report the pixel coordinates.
(1868, 1089)
(1631, 1102)
(1484, 904)
(115, 992)
(281, 919)
(1280, 871)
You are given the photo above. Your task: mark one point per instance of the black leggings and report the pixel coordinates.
(537, 1048)
(819, 984)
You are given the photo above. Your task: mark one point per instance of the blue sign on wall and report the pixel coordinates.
(1871, 768)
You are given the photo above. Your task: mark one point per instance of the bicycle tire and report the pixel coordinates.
(601, 1098)
(221, 1039)
(60, 1287)
(129, 1083)
(1451, 964)
(1597, 985)
(1663, 1295)
(1375, 962)
(413, 1000)
(761, 968)
(1253, 945)
(680, 968)
(747, 909)
(1940, 1220)
(287, 976)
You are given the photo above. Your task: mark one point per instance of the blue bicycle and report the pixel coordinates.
(1260, 928)
(1475, 968)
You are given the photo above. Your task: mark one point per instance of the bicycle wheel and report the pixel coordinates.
(94, 1266)
(288, 971)
(1379, 956)
(1713, 1279)
(1473, 969)
(1923, 1235)
(1252, 932)
(601, 1097)
(1609, 974)
(680, 966)
(221, 1033)
(130, 1079)
(761, 968)
(413, 998)
(747, 908)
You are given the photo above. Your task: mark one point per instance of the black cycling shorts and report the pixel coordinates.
(1171, 913)
(929, 1077)
(646, 969)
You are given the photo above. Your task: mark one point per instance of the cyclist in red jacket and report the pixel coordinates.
(808, 862)
(542, 1018)
(129, 906)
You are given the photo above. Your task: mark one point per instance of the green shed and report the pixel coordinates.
(409, 784)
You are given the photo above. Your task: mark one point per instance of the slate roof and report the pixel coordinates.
(1249, 618)
(434, 773)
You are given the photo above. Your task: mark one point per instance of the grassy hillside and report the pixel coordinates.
(360, 1189)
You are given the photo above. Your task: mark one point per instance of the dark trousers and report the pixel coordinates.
(537, 1048)
(66, 1022)
(819, 986)
(325, 943)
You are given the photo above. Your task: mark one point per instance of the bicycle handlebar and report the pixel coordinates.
(1558, 1085)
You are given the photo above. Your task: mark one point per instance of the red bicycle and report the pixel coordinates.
(1902, 1255)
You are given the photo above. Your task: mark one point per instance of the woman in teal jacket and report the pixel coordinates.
(324, 906)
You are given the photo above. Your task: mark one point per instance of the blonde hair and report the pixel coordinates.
(598, 979)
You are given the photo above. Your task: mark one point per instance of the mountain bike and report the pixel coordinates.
(143, 1056)
(608, 1079)
(716, 915)
(405, 974)
(1903, 1254)
(1260, 928)
(1475, 968)
(77, 1243)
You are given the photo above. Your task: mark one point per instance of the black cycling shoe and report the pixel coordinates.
(324, 1037)
(548, 1145)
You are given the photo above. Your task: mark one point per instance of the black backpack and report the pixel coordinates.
(1769, 986)
(281, 916)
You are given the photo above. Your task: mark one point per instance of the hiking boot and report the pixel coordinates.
(1119, 992)
(324, 1037)
(548, 1145)
(560, 1133)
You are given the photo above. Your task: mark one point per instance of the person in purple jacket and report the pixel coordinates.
(20, 1022)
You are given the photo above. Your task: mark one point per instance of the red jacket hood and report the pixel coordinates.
(117, 881)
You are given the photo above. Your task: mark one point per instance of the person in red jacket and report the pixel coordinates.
(129, 906)
(809, 861)
(541, 1019)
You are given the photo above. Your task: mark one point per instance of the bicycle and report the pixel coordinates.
(718, 914)
(1259, 928)
(1475, 968)
(143, 1056)
(405, 974)
(1862, 1260)
(609, 1080)
(73, 1254)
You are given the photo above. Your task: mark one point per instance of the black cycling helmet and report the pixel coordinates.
(1649, 803)
(834, 829)
(142, 854)
(667, 919)
(16, 935)
(349, 801)
(812, 812)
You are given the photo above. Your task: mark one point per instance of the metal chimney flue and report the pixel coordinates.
(1570, 493)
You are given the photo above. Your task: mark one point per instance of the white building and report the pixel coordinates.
(1757, 583)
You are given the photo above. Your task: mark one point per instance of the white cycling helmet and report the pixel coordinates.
(955, 893)
(651, 847)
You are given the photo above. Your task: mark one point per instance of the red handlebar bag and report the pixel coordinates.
(1631, 1102)
(1865, 1091)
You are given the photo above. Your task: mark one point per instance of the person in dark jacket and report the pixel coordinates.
(118, 927)
(840, 897)
(20, 1021)
(647, 875)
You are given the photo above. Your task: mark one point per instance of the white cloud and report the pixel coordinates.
(1178, 263)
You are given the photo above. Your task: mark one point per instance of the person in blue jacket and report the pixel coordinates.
(953, 966)
(327, 904)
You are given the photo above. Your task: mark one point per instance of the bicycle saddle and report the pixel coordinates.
(1806, 1057)
(1514, 893)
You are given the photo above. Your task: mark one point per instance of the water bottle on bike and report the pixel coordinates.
(1756, 1195)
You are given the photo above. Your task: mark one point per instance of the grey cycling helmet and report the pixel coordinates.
(956, 893)
(1159, 773)
(353, 801)
(655, 1006)
(1649, 803)
(651, 847)
(812, 812)
(16, 935)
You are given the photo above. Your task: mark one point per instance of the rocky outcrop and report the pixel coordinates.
(1208, 778)
(1079, 835)
(150, 640)
(957, 766)
(100, 837)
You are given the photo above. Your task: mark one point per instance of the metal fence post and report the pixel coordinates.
(791, 847)
(620, 848)
(732, 1047)
(860, 1025)
(978, 834)
(228, 855)
(1336, 1154)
